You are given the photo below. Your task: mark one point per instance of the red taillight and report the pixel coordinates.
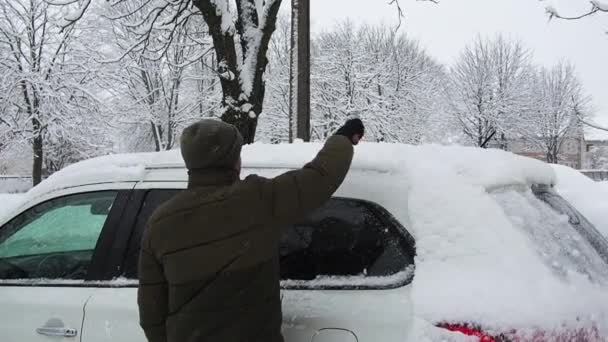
(469, 331)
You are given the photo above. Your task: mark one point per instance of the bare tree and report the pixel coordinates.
(557, 100)
(48, 73)
(488, 88)
(378, 75)
(241, 31)
(166, 85)
(276, 124)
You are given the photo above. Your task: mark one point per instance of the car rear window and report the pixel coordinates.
(353, 242)
(563, 242)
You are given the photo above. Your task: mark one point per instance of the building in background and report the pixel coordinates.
(571, 153)
(596, 150)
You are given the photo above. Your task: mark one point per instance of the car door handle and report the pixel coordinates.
(62, 332)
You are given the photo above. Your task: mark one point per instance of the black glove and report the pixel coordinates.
(353, 129)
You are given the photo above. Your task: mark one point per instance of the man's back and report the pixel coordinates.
(209, 261)
(219, 259)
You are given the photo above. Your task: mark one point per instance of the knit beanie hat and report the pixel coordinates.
(211, 144)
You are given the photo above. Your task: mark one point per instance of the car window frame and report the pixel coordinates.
(100, 251)
(140, 194)
(391, 221)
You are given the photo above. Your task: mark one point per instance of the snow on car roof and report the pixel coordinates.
(488, 168)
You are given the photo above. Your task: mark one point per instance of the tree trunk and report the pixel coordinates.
(37, 149)
(245, 124)
(157, 136)
(240, 109)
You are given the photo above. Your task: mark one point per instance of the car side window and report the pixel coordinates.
(345, 238)
(55, 239)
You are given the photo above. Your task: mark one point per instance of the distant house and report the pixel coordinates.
(571, 152)
(592, 143)
(596, 146)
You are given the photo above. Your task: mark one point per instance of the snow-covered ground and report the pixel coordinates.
(588, 196)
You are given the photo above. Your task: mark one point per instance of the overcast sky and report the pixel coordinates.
(445, 28)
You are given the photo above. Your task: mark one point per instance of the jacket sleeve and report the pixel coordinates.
(296, 193)
(152, 295)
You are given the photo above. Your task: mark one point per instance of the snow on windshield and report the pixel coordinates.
(587, 196)
(561, 247)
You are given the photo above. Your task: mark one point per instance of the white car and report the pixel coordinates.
(469, 242)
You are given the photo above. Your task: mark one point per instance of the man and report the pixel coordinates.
(209, 268)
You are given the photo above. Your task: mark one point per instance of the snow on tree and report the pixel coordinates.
(240, 30)
(488, 88)
(597, 6)
(276, 124)
(377, 75)
(168, 85)
(556, 102)
(241, 70)
(49, 80)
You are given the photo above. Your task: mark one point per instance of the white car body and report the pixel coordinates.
(442, 196)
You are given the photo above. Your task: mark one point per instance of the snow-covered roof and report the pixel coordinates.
(487, 168)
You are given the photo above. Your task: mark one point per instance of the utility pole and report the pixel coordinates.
(299, 101)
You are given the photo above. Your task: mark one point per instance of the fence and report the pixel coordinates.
(15, 184)
(596, 175)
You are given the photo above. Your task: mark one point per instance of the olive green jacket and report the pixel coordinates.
(209, 268)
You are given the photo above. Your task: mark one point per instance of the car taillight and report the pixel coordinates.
(469, 331)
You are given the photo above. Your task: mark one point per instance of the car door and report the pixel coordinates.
(48, 255)
(332, 291)
(111, 313)
(345, 273)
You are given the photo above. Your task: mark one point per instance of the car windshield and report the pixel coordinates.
(563, 238)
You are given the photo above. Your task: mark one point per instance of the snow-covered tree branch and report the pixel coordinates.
(597, 6)
(488, 88)
(49, 75)
(556, 102)
(161, 82)
(369, 72)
